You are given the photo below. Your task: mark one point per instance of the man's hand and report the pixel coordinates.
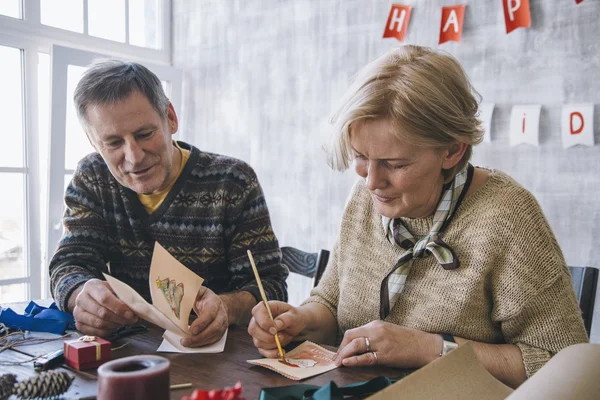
(98, 311)
(212, 321)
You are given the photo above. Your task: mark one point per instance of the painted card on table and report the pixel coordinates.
(306, 360)
(577, 125)
(525, 124)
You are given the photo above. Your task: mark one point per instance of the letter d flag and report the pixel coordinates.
(577, 125)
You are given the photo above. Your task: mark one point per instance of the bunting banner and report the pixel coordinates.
(578, 1)
(397, 22)
(486, 110)
(577, 125)
(452, 23)
(516, 14)
(525, 124)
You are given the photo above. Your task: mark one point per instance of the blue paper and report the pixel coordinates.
(39, 319)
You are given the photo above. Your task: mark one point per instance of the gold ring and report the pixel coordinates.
(368, 343)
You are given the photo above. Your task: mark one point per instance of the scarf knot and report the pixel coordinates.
(452, 195)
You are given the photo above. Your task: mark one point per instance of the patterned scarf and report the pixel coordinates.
(452, 195)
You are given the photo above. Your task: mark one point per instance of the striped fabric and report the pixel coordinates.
(452, 195)
(214, 212)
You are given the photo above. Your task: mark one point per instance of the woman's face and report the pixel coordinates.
(404, 180)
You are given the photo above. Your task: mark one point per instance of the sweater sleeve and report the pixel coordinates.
(327, 291)
(79, 256)
(252, 230)
(534, 300)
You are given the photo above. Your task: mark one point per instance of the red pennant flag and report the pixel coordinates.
(578, 1)
(516, 14)
(452, 23)
(397, 22)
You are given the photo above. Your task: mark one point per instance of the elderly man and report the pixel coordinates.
(141, 187)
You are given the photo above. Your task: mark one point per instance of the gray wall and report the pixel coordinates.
(263, 77)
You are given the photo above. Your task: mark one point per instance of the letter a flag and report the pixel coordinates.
(397, 22)
(577, 125)
(525, 124)
(516, 14)
(485, 116)
(452, 23)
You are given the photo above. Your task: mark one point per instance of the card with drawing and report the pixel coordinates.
(308, 359)
(173, 288)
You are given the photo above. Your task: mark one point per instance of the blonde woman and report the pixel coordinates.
(432, 251)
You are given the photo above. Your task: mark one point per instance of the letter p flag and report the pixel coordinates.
(397, 22)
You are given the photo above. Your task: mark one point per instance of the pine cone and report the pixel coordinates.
(7, 382)
(46, 384)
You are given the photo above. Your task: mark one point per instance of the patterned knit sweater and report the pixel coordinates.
(214, 212)
(512, 286)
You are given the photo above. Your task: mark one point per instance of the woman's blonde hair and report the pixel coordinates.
(426, 95)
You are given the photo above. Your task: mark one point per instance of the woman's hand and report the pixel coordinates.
(288, 324)
(384, 343)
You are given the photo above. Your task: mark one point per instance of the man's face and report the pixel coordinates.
(135, 142)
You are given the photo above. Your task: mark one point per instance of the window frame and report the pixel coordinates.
(32, 37)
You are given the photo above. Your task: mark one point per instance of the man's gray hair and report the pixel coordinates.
(110, 81)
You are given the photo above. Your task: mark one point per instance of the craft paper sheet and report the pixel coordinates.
(171, 344)
(306, 351)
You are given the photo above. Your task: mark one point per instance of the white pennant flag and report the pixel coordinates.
(486, 110)
(525, 124)
(577, 125)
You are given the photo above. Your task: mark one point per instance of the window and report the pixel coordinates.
(33, 174)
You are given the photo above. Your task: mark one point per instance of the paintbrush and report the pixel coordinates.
(264, 298)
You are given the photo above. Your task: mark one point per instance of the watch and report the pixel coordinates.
(448, 344)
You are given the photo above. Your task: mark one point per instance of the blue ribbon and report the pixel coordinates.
(38, 318)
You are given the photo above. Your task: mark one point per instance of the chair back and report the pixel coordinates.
(585, 282)
(311, 265)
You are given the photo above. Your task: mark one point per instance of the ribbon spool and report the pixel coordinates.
(132, 378)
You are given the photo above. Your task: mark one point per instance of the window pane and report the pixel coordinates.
(106, 19)
(144, 23)
(44, 149)
(10, 8)
(77, 145)
(12, 235)
(13, 293)
(11, 108)
(64, 14)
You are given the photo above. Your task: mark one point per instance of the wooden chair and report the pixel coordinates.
(311, 265)
(585, 282)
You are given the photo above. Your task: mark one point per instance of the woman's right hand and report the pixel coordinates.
(288, 324)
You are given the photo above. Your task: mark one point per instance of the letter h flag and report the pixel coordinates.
(452, 23)
(516, 14)
(397, 22)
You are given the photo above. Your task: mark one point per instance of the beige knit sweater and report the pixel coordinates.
(512, 285)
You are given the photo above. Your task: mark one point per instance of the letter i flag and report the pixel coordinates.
(525, 124)
(516, 14)
(577, 125)
(452, 23)
(397, 22)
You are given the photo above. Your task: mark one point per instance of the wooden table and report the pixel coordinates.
(204, 371)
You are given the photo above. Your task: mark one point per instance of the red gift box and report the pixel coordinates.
(87, 352)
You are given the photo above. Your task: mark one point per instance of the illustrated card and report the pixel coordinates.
(141, 307)
(173, 287)
(308, 359)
